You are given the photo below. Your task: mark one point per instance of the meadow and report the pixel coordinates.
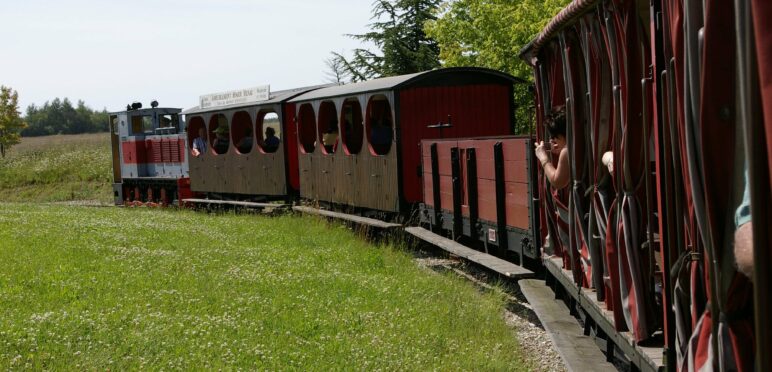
(58, 168)
(101, 288)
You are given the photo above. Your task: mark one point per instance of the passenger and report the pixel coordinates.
(608, 161)
(556, 127)
(743, 235)
(330, 138)
(380, 136)
(245, 144)
(199, 143)
(222, 142)
(271, 143)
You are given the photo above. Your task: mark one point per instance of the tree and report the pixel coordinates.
(336, 72)
(10, 119)
(61, 117)
(398, 31)
(491, 33)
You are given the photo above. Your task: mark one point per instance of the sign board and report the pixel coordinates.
(240, 96)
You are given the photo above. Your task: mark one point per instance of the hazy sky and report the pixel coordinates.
(109, 53)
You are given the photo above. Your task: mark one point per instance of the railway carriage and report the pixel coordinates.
(671, 89)
(247, 166)
(480, 189)
(359, 143)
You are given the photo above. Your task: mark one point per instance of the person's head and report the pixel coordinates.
(270, 132)
(221, 132)
(556, 128)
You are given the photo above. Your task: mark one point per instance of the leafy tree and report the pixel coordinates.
(398, 31)
(10, 119)
(491, 33)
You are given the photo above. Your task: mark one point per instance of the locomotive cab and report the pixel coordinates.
(148, 148)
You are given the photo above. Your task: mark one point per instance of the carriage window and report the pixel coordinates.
(328, 127)
(196, 129)
(380, 126)
(307, 128)
(269, 131)
(241, 132)
(351, 129)
(219, 134)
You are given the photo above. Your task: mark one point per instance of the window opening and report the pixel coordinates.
(269, 127)
(352, 128)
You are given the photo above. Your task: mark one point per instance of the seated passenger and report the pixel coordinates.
(380, 137)
(330, 138)
(222, 142)
(556, 127)
(271, 142)
(245, 144)
(199, 143)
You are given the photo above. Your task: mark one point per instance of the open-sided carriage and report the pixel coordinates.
(250, 148)
(671, 90)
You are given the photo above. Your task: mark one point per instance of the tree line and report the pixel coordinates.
(61, 117)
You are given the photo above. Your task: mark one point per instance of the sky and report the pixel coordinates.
(110, 53)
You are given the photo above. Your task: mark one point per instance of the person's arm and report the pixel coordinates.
(559, 177)
(608, 161)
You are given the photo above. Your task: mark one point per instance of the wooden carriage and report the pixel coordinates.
(359, 144)
(248, 167)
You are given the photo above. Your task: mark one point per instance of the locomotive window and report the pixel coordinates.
(219, 134)
(351, 129)
(307, 128)
(196, 128)
(269, 131)
(328, 127)
(241, 132)
(380, 126)
(170, 121)
(141, 124)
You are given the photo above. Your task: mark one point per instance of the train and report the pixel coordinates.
(643, 248)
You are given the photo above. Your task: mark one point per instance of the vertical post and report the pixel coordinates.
(471, 189)
(501, 197)
(455, 164)
(436, 188)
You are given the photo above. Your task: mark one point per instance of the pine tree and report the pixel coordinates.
(10, 119)
(398, 31)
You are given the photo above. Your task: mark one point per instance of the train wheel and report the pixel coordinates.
(149, 194)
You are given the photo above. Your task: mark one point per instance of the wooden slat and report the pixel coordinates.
(496, 264)
(644, 357)
(348, 217)
(236, 203)
(579, 352)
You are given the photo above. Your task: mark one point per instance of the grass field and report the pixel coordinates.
(58, 168)
(114, 288)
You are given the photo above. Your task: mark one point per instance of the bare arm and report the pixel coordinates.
(559, 177)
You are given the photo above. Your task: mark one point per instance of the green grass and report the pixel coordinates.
(113, 288)
(58, 168)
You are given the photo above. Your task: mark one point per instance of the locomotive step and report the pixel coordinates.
(579, 352)
(348, 217)
(496, 264)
